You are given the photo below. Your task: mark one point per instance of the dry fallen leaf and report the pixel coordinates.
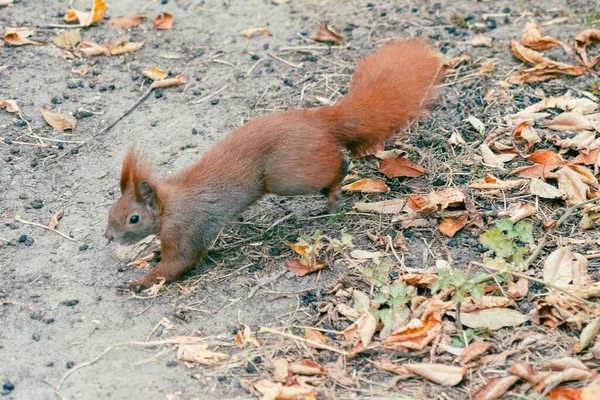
(141, 262)
(337, 374)
(280, 369)
(532, 38)
(388, 154)
(68, 39)
(276, 391)
(4, 3)
(470, 305)
(10, 106)
(445, 375)
(424, 280)
(82, 70)
(588, 334)
(59, 122)
(543, 73)
(400, 167)
(165, 83)
(126, 22)
(367, 185)
(127, 47)
(491, 182)
(53, 223)
(300, 269)
(86, 18)
(328, 35)
(365, 327)
(394, 206)
(547, 157)
(18, 36)
(163, 21)
(245, 336)
(591, 158)
(570, 121)
(451, 225)
(493, 318)
(255, 31)
(495, 388)
(494, 160)
(545, 190)
(90, 49)
(155, 73)
(315, 336)
(199, 354)
(306, 367)
(472, 351)
(570, 182)
(366, 255)
(526, 133)
(481, 41)
(418, 333)
(582, 40)
(456, 139)
(521, 211)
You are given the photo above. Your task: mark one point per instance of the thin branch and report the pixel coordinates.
(210, 95)
(301, 339)
(126, 113)
(17, 218)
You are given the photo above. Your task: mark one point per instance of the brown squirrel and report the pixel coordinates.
(296, 152)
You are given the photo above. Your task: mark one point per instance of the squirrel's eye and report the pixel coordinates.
(134, 219)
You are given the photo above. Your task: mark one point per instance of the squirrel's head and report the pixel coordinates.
(136, 214)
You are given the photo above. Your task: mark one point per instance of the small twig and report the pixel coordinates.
(17, 218)
(266, 282)
(303, 340)
(254, 66)
(401, 262)
(541, 282)
(210, 95)
(126, 113)
(283, 61)
(536, 252)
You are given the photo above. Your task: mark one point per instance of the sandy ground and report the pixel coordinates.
(60, 304)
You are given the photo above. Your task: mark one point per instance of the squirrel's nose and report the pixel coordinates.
(108, 235)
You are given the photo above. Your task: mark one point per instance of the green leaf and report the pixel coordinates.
(387, 317)
(403, 312)
(495, 240)
(399, 289)
(380, 298)
(368, 272)
(458, 278)
(477, 292)
(437, 285)
(399, 301)
(444, 272)
(459, 295)
(524, 231)
(504, 225)
(376, 313)
(347, 239)
(479, 276)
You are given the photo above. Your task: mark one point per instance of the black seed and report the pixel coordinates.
(158, 94)
(251, 369)
(70, 303)
(8, 386)
(70, 364)
(74, 151)
(194, 131)
(83, 247)
(214, 102)
(29, 241)
(22, 239)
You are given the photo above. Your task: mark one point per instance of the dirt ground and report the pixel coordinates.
(61, 307)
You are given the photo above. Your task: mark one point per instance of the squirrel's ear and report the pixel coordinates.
(128, 167)
(147, 194)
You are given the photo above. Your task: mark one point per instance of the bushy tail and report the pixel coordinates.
(389, 89)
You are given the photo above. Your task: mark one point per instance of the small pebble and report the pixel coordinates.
(214, 102)
(194, 131)
(70, 364)
(29, 241)
(171, 363)
(37, 204)
(36, 337)
(158, 94)
(8, 386)
(83, 247)
(74, 150)
(22, 239)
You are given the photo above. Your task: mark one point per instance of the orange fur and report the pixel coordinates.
(296, 152)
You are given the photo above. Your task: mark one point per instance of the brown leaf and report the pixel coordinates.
(245, 336)
(87, 18)
(163, 21)
(441, 374)
(389, 154)
(418, 333)
(390, 366)
(280, 369)
(481, 41)
(570, 121)
(328, 35)
(394, 206)
(582, 105)
(470, 305)
(90, 49)
(472, 351)
(400, 167)
(493, 318)
(424, 280)
(53, 223)
(155, 73)
(543, 73)
(128, 47)
(59, 122)
(583, 39)
(526, 133)
(10, 106)
(367, 185)
(545, 190)
(558, 267)
(306, 367)
(532, 38)
(547, 157)
(486, 68)
(585, 174)
(591, 158)
(199, 354)
(437, 201)
(521, 211)
(126, 22)
(560, 364)
(536, 171)
(337, 374)
(416, 202)
(492, 159)
(517, 290)
(255, 31)
(141, 262)
(451, 225)
(68, 39)
(315, 336)
(365, 327)
(18, 36)
(570, 181)
(491, 182)
(276, 391)
(495, 388)
(300, 269)
(81, 71)
(165, 83)
(581, 141)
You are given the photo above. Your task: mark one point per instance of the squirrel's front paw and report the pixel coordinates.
(132, 287)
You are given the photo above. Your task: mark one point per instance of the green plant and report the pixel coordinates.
(504, 240)
(459, 340)
(459, 21)
(309, 247)
(461, 284)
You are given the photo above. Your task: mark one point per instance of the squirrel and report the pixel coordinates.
(296, 152)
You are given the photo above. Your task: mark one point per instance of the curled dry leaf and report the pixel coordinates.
(280, 369)
(389, 154)
(581, 141)
(18, 36)
(494, 160)
(315, 336)
(390, 366)
(366, 255)
(544, 73)
(165, 83)
(547, 157)
(473, 351)
(155, 73)
(337, 374)
(495, 388)
(255, 31)
(532, 38)
(560, 364)
(297, 267)
(591, 158)
(163, 21)
(563, 266)
(59, 122)
(451, 225)
(245, 336)
(522, 211)
(585, 174)
(570, 121)
(81, 71)
(582, 40)
(526, 133)
(545, 190)
(306, 367)
(493, 318)
(10, 106)
(365, 327)
(470, 305)
(128, 47)
(276, 391)
(476, 123)
(87, 18)
(536, 171)
(491, 182)
(367, 185)
(90, 49)
(588, 334)
(199, 354)
(394, 206)
(126, 22)
(400, 166)
(441, 374)
(481, 41)
(53, 223)
(570, 182)
(418, 333)
(456, 139)
(328, 35)
(582, 105)
(436, 201)
(424, 280)
(68, 39)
